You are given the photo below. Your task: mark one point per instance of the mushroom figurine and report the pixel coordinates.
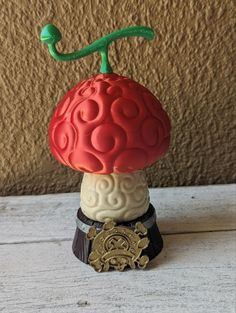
(110, 127)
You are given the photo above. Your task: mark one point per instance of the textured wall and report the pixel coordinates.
(189, 67)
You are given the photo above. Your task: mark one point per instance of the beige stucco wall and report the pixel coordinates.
(189, 67)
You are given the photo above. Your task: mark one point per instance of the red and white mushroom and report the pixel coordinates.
(110, 125)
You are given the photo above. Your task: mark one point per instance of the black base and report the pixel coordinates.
(82, 246)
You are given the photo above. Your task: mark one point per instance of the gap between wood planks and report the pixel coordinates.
(180, 210)
(70, 239)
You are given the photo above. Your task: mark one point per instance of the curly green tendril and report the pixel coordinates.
(50, 35)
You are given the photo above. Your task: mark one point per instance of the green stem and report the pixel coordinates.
(105, 66)
(51, 35)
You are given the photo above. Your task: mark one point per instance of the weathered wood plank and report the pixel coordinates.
(195, 273)
(179, 210)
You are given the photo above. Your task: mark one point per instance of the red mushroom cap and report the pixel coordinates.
(109, 124)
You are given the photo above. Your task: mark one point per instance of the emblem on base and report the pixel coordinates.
(117, 247)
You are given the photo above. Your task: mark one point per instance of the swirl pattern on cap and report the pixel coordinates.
(118, 197)
(109, 124)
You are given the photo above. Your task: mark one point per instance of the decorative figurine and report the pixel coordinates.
(110, 127)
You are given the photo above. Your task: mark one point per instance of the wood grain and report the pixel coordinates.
(194, 273)
(179, 210)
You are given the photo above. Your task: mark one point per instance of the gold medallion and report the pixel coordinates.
(117, 247)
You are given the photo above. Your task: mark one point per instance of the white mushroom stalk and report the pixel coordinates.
(116, 197)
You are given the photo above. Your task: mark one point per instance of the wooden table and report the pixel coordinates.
(194, 273)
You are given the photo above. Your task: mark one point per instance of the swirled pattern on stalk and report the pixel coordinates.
(109, 124)
(117, 197)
